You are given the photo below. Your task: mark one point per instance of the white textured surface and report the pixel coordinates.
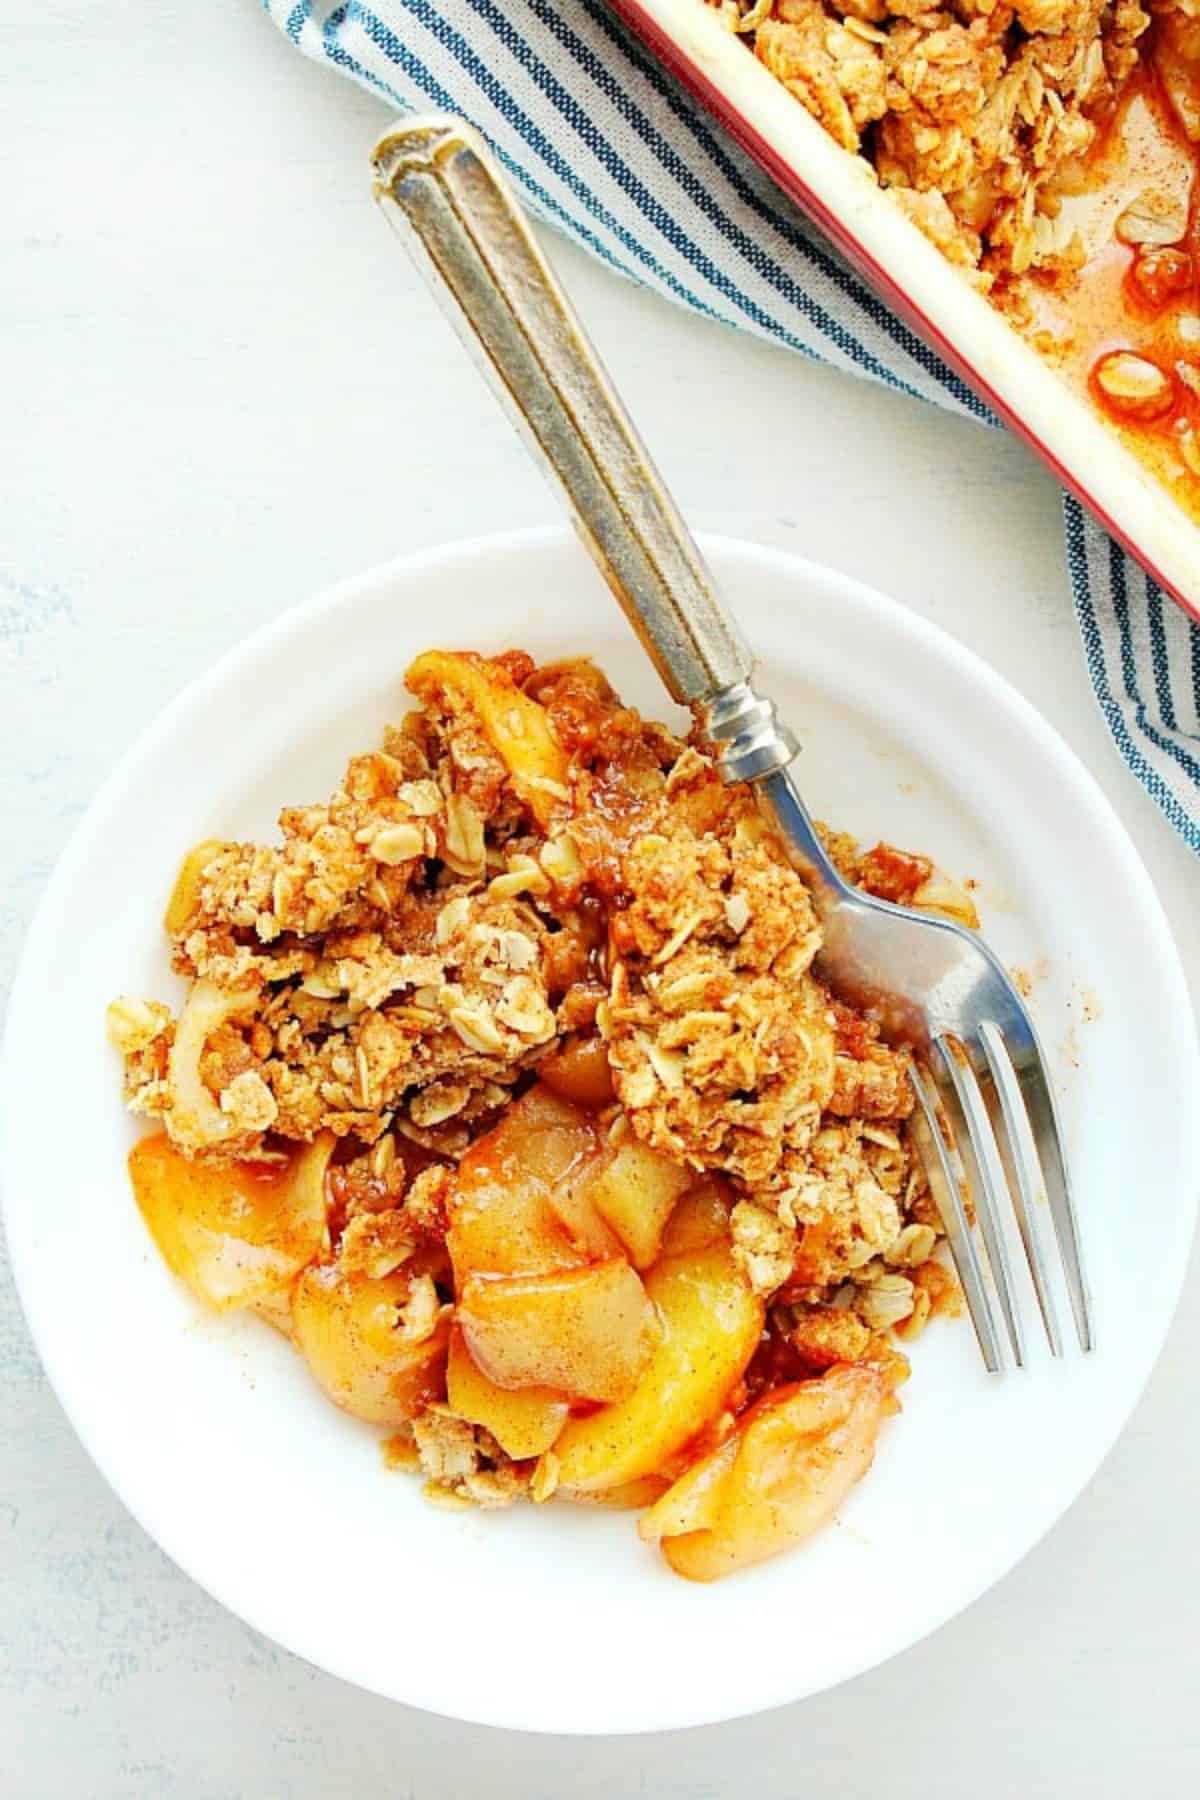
(223, 390)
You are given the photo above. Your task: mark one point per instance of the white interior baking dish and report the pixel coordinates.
(838, 192)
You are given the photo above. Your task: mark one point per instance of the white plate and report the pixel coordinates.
(559, 1618)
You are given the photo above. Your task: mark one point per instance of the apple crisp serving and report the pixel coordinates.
(504, 1086)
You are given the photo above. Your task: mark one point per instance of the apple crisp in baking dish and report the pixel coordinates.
(503, 1085)
(1048, 148)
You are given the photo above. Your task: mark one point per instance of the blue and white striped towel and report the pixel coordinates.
(604, 145)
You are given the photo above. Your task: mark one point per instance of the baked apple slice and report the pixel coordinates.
(236, 1233)
(523, 1421)
(589, 1331)
(579, 1072)
(517, 728)
(787, 1468)
(711, 1323)
(360, 1347)
(509, 1206)
(635, 1192)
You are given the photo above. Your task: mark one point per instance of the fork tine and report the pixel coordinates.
(1047, 1140)
(985, 1174)
(1025, 1180)
(948, 1181)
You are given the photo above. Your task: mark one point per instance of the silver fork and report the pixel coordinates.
(985, 1121)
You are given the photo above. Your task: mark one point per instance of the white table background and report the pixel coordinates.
(221, 388)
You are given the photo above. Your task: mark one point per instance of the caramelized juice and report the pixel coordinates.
(1129, 320)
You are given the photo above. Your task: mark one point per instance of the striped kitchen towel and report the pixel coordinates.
(603, 144)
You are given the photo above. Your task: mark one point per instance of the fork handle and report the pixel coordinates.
(437, 181)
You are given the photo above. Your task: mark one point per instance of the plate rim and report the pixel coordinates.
(293, 621)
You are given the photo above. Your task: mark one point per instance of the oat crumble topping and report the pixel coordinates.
(975, 115)
(528, 890)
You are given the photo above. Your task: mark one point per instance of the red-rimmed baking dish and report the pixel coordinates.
(838, 192)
